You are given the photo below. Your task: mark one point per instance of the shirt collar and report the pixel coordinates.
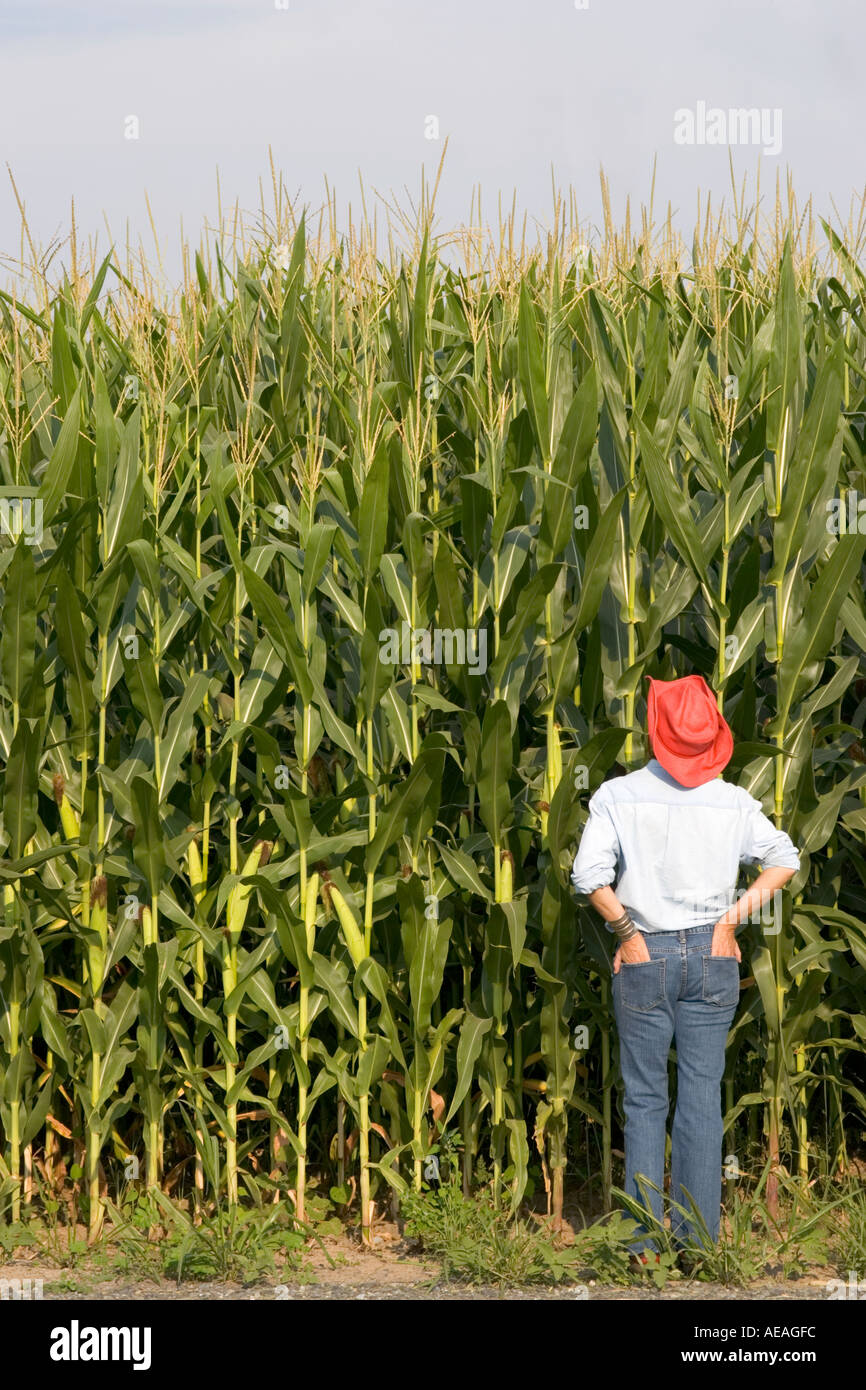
(655, 767)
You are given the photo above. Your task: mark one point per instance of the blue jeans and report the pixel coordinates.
(682, 994)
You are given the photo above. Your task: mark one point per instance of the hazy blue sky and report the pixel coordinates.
(338, 86)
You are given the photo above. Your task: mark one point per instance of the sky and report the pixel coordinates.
(339, 90)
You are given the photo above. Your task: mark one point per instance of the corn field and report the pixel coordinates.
(330, 584)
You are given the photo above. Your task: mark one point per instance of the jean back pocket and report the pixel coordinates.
(721, 984)
(642, 984)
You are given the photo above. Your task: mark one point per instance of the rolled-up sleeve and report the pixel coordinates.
(595, 863)
(764, 844)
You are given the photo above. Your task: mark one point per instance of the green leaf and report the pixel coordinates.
(123, 515)
(53, 487)
(409, 800)
(144, 558)
(787, 375)
(494, 796)
(813, 455)
(576, 441)
(175, 744)
(812, 636)
(427, 970)
(74, 651)
(463, 871)
(373, 513)
(20, 786)
(316, 556)
(599, 558)
(472, 1031)
(672, 504)
(529, 605)
(336, 985)
(280, 629)
(532, 379)
(148, 847)
(18, 635)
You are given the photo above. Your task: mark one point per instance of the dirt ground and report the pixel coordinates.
(390, 1271)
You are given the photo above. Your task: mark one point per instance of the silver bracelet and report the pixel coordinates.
(624, 927)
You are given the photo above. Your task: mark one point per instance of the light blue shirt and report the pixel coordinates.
(677, 849)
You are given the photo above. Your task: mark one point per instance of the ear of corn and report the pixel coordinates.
(310, 913)
(239, 897)
(349, 925)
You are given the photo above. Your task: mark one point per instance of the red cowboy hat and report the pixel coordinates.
(689, 735)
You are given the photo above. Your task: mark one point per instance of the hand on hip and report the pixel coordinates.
(725, 942)
(632, 952)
